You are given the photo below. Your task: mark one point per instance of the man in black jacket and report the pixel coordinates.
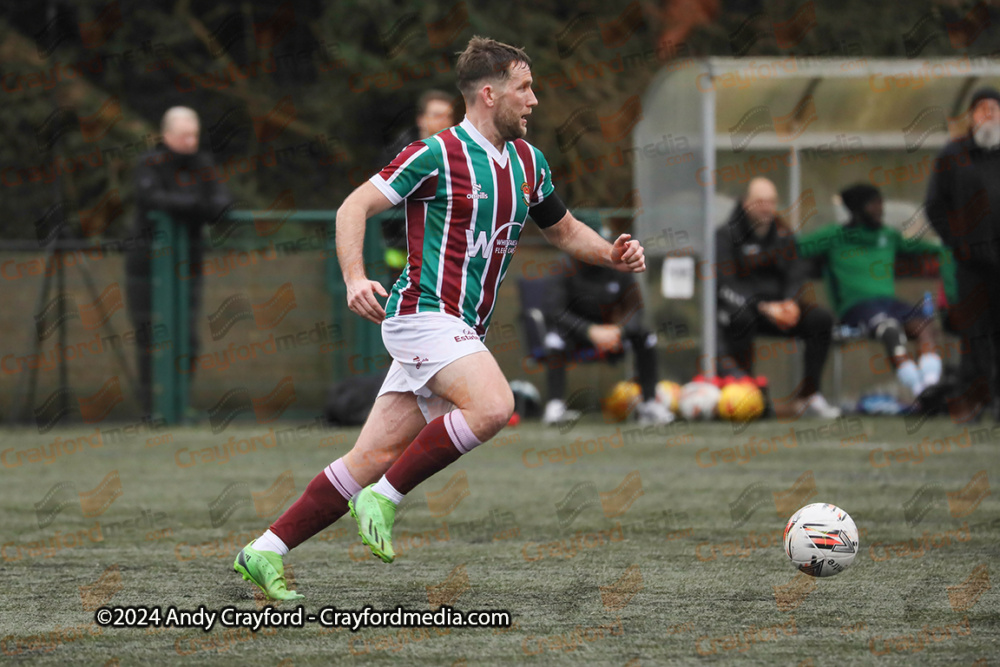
(760, 286)
(598, 306)
(172, 178)
(963, 206)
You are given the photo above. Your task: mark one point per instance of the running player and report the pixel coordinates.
(468, 191)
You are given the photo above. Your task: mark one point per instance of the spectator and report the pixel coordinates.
(598, 306)
(859, 267)
(760, 289)
(158, 178)
(435, 112)
(963, 205)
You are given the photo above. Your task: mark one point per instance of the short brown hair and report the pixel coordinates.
(486, 58)
(433, 95)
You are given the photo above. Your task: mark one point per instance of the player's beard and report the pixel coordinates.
(987, 135)
(508, 124)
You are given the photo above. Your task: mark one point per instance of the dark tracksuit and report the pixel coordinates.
(963, 206)
(182, 186)
(751, 270)
(589, 295)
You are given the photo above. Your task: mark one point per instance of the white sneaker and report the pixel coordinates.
(653, 412)
(556, 413)
(816, 406)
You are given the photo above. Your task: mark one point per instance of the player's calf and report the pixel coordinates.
(323, 502)
(436, 447)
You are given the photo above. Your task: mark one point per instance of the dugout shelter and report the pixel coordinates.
(811, 125)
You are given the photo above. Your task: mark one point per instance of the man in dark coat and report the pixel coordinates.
(598, 306)
(178, 179)
(963, 206)
(760, 289)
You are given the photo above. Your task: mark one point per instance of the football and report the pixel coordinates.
(668, 393)
(698, 400)
(621, 401)
(741, 401)
(821, 540)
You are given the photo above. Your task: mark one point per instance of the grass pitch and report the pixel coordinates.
(608, 545)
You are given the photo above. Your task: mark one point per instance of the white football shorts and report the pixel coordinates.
(420, 345)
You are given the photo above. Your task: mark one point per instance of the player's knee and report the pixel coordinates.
(890, 332)
(495, 413)
(643, 339)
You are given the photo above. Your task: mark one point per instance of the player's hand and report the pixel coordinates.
(628, 255)
(361, 299)
(605, 337)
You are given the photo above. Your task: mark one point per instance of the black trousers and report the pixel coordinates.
(643, 346)
(814, 329)
(139, 300)
(976, 319)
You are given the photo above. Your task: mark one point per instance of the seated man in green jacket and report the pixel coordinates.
(859, 260)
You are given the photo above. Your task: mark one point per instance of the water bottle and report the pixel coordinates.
(927, 307)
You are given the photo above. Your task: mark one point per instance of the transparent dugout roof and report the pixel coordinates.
(819, 98)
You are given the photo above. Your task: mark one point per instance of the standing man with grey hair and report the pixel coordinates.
(468, 193)
(165, 181)
(963, 206)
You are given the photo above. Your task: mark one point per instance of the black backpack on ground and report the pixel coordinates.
(349, 401)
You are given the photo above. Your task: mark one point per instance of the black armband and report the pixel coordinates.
(550, 211)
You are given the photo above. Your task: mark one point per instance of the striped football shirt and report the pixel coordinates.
(466, 203)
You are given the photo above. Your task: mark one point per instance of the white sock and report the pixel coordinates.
(386, 489)
(270, 542)
(909, 376)
(930, 368)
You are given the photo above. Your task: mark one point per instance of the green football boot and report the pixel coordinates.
(265, 569)
(375, 514)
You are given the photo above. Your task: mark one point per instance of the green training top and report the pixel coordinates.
(860, 262)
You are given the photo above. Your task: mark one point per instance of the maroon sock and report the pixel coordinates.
(324, 501)
(431, 451)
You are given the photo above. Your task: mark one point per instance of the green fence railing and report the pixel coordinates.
(170, 314)
(362, 351)
(171, 295)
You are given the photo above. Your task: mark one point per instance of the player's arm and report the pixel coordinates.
(580, 241)
(818, 243)
(916, 246)
(360, 205)
(564, 231)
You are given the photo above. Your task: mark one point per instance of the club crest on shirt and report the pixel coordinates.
(525, 192)
(477, 192)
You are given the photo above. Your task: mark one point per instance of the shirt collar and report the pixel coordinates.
(491, 150)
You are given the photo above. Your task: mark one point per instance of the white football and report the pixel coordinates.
(698, 401)
(821, 540)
